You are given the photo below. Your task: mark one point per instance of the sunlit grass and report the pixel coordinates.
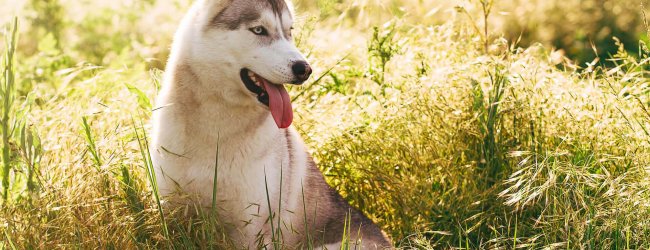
(443, 144)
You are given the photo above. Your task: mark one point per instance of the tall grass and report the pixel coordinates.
(445, 134)
(7, 92)
(143, 145)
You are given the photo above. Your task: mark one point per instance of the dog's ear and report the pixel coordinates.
(214, 6)
(206, 10)
(291, 7)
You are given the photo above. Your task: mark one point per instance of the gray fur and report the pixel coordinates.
(241, 12)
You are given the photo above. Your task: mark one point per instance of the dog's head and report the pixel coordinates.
(249, 45)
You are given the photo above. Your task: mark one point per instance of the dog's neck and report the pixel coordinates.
(216, 112)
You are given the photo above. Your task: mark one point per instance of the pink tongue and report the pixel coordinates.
(280, 104)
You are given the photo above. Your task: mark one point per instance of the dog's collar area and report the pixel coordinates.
(253, 86)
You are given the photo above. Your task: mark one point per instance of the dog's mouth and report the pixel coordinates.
(272, 95)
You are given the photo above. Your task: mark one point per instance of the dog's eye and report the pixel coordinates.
(259, 30)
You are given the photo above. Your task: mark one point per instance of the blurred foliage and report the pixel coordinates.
(584, 29)
(47, 18)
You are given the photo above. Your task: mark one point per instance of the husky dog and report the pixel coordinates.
(223, 105)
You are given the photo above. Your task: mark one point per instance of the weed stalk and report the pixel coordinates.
(7, 94)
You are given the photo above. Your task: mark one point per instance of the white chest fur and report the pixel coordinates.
(255, 168)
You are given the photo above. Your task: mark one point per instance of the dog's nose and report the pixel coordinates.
(301, 70)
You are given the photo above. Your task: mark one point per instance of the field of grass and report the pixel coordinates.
(447, 132)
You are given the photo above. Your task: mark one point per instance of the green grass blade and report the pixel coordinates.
(268, 203)
(92, 146)
(7, 94)
(143, 145)
(214, 181)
